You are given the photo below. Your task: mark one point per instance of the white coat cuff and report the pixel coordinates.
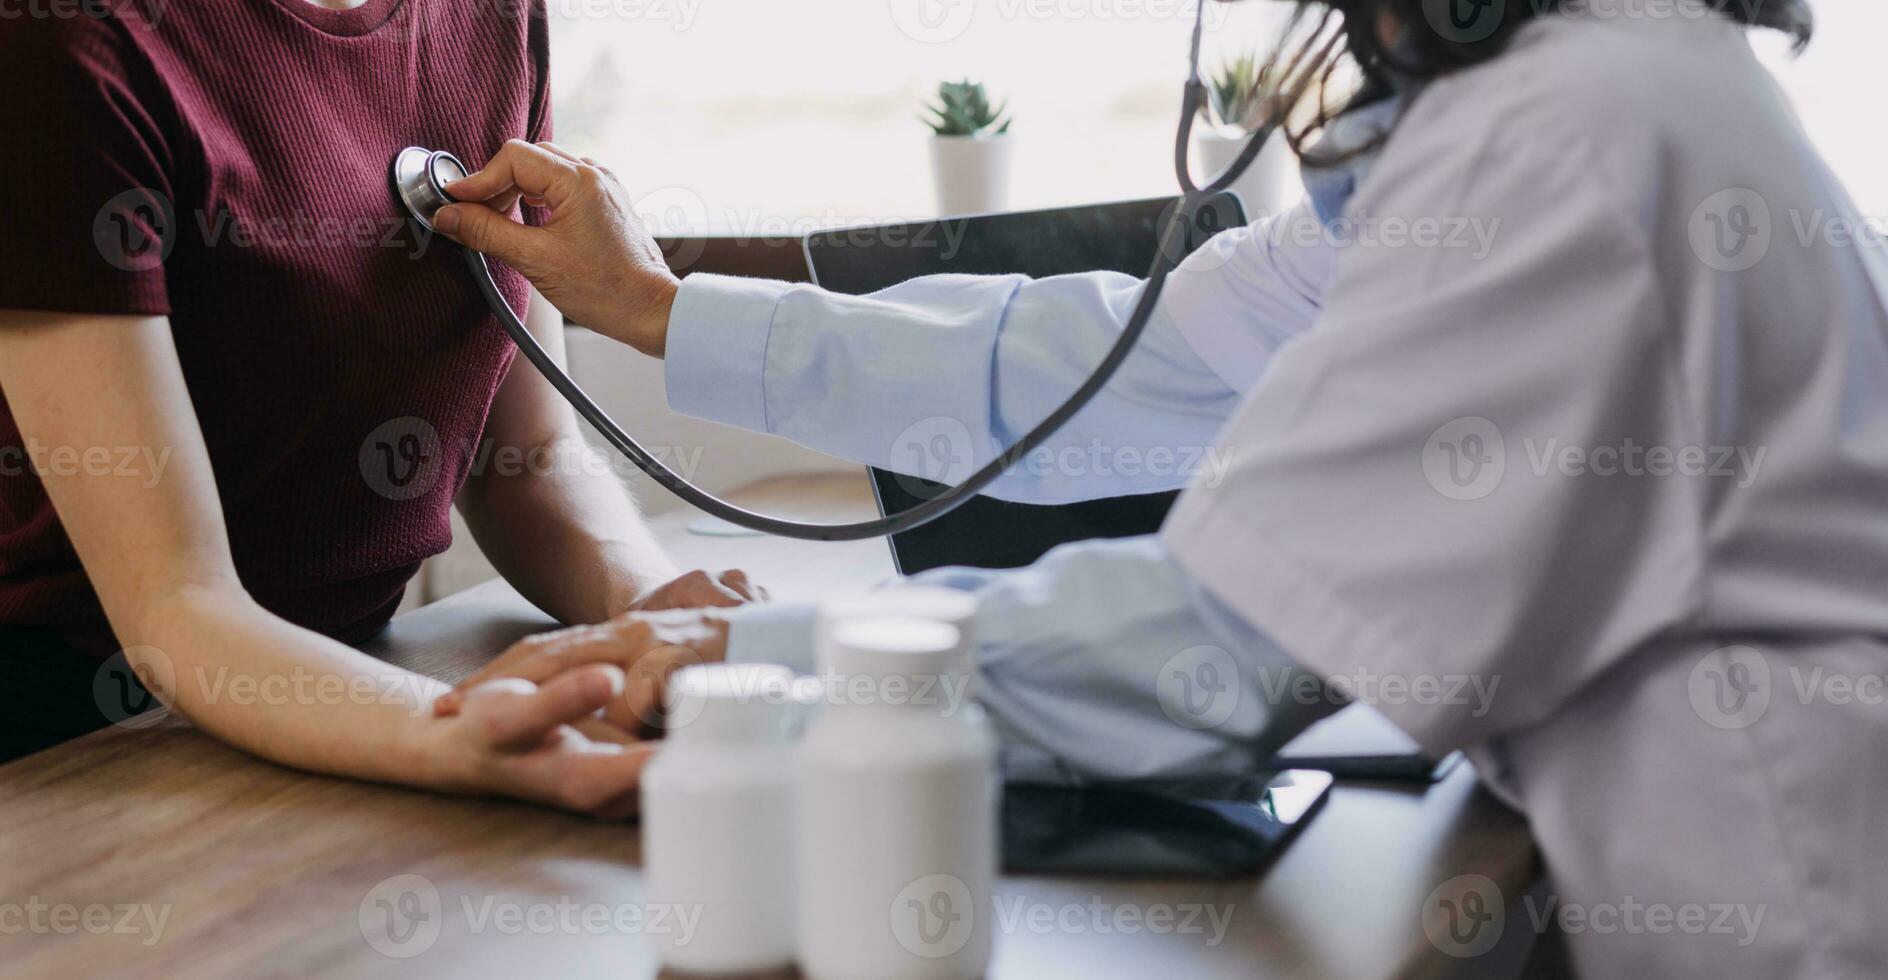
(772, 633)
(716, 359)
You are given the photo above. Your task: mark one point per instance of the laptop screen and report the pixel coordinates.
(1116, 237)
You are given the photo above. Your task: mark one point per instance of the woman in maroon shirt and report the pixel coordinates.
(241, 393)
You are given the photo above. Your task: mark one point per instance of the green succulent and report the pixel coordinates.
(964, 109)
(1239, 91)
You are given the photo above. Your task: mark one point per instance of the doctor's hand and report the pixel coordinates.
(593, 259)
(699, 589)
(646, 647)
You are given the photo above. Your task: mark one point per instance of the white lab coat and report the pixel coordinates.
(1437, 484)
(1574, 454)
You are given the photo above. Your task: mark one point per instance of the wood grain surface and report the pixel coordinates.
(159, 852)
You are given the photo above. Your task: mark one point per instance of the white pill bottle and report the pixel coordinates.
(896, 807)
(717, 832)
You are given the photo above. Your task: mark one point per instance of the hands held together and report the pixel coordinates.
(568, 718)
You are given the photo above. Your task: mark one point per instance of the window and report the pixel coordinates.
(764, 116)
(784, 113)
(1834, 87)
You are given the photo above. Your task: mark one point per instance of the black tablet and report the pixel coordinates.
(1216, 828)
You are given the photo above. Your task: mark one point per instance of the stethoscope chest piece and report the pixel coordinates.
(419, 179)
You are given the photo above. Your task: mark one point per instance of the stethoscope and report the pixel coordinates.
(419, 177)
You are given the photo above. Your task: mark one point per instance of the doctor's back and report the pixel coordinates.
(1628, 466)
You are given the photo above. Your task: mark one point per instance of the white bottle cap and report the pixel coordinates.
(936, 603)
(952, 607)
(892, 646)
(730, 702)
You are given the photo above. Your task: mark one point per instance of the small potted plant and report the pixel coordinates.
(1240, 95)
(970, 149)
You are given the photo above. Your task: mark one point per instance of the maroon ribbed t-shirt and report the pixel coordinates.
(224, 162)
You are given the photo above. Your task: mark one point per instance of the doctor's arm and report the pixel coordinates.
(1104, 660)
(934, 376)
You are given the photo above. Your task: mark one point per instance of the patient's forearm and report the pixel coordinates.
(549, 512)
(568, 536)
(285, 693)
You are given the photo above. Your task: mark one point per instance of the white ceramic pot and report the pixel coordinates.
(972, 173)
(1269, 186)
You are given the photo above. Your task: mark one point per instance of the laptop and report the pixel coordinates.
(1117, 237)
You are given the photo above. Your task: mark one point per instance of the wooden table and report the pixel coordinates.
(255, 870)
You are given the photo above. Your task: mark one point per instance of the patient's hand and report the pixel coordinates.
(648, 646)
(540, 742)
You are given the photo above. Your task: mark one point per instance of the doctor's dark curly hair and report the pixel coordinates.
(1439, 36)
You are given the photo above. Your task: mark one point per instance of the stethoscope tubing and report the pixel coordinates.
(1172, 249)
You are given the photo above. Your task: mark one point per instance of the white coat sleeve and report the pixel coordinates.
(936, 376)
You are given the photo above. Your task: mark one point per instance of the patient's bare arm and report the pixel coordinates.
(563, 529)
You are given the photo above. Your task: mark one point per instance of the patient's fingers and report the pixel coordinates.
(601, 780)
(515, 714)
(603, 733)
